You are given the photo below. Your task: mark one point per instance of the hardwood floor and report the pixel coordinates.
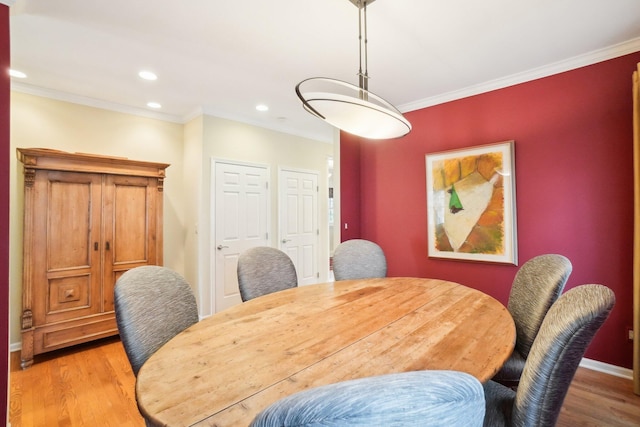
(93, 385)
(88, 385)
(600, 400)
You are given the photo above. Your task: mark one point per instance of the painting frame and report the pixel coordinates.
(476, 221)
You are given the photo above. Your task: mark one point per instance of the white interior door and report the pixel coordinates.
(299, 232)
(241, 221)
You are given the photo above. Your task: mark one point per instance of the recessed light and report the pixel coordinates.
(153, 105)
(17, 74)
(147, 75)
(262, 107)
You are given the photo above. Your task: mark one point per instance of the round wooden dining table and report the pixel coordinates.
(226, 368)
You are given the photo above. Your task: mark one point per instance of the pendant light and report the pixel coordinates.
(351, 108)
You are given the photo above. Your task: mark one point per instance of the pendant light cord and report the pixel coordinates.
(363, 77)
(366, 41)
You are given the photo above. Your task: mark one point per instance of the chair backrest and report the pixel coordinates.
(536, 286)
(152, 305)
(420, 398)
(358, 259)
(566, 331)
(263, 270)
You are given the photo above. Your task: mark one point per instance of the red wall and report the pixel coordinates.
(574, 185)
(4, 210)
(350, 188)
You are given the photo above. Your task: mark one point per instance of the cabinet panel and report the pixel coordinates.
(67, 266)
(69, 222)
(133, 217)
(69, 293)
(56, 336)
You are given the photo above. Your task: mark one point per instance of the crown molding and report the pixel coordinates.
(611, 52)
(141, 112)
(92, 102)
(280, 126)
(621, 49)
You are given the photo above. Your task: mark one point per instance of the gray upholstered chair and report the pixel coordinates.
(566, 331)
(358, 259)
(536, 286)
(419, 398)
(263, 270)
(152, 305)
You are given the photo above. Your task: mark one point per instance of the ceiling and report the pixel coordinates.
(223, 57)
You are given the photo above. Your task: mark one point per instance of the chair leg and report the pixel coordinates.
(512, 384)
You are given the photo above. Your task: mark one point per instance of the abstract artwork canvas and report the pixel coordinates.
(471, 204)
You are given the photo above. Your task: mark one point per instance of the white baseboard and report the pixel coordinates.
(607, 368)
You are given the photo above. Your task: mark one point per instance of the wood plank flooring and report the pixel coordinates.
(93, 385)
(88, 385)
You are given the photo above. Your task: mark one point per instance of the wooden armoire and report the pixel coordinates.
(87, 220)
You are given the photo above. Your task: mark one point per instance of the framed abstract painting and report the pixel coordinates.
(471, 204)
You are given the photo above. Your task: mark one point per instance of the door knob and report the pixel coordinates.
(220, 247)
(286, 240)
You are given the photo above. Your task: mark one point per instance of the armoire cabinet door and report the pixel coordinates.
(67, 222)
(130, 228)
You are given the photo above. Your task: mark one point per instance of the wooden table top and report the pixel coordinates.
(228, 367)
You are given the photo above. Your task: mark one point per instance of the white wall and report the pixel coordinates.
(229, 140)
(192, 199)
(47, 123)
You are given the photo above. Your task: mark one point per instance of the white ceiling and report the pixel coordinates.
(222, 57)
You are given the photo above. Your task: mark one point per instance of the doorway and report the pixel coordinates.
(241, 221)
(298, 217)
